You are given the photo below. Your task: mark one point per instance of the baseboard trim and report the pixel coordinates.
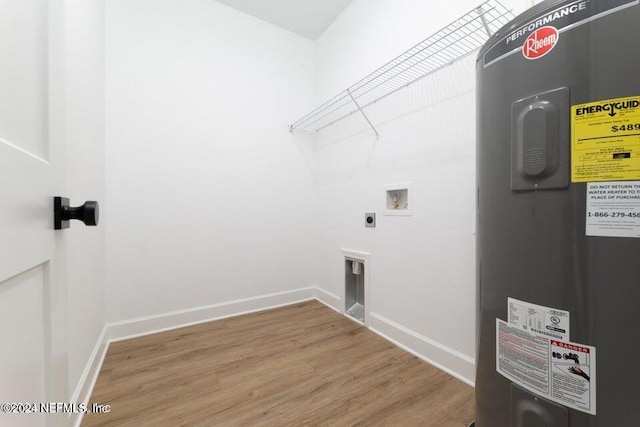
(329, 299)
(451, 361)
(142, 326)
(434, 353)
(89, 376)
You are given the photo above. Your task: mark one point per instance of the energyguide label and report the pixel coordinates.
(605, 140)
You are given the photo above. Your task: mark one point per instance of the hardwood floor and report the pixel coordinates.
(299, 365)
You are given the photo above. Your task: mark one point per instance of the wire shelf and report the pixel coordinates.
(453, 42)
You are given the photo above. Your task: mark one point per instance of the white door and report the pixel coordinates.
(33, 356)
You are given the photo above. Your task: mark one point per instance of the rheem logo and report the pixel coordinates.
(540, 42)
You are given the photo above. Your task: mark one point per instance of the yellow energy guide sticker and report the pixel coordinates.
(605, 140)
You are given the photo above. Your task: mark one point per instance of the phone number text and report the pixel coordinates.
(613, 214)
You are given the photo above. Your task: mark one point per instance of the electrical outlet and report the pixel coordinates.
(370, 220)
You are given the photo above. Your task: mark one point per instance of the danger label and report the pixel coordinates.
(561, 371)
(570, 346)
(573, 375)
(605, 140)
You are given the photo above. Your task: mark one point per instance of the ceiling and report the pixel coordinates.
(308, 18)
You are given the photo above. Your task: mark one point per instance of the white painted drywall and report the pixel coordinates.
(85, 177)
(209, 198)
(422, 266)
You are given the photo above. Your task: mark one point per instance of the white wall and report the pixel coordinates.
(423, 266)
(85, 177)
(209, 198)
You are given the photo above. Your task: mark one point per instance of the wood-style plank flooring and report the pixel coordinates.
(299, 365)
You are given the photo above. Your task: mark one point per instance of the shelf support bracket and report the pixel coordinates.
(363, 114)
(484, 21)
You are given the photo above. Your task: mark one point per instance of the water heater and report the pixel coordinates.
(558, 232)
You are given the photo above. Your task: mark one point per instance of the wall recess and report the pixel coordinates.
(357, 289)
(398, 199)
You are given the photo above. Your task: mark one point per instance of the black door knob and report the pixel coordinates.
(88, 213)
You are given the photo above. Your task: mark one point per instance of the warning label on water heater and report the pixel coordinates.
(605, 140)
(613, 209)
(561, 371)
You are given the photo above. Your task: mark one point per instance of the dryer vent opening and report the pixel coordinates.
(354, 289)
